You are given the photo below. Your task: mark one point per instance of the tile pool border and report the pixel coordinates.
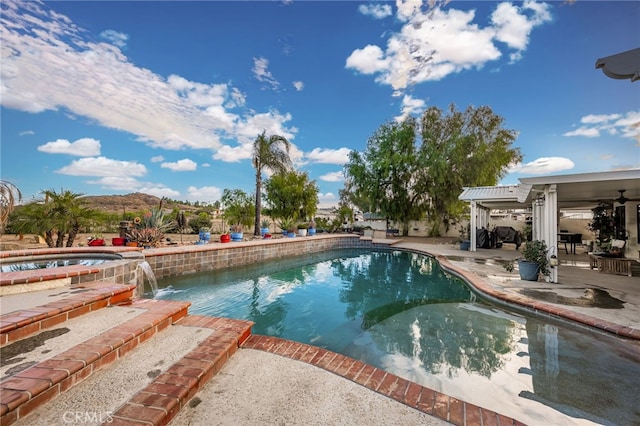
(181, 260)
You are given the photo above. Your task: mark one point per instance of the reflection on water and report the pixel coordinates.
(593, 298)
(401, 312)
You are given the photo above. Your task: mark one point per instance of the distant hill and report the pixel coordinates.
(132, 203)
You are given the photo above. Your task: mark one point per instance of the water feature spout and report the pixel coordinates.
(148, 273)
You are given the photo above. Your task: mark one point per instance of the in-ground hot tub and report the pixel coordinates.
(31, 270)
(29, 263)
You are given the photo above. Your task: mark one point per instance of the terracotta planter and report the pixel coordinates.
(132, 244)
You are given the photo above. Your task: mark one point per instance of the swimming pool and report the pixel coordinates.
(401, 312)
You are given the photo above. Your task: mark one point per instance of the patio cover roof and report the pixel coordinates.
(587, 189)
(622, 65)
(583, 190)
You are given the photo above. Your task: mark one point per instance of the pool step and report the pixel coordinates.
(90, 297)
(160, 401)
(39, 384)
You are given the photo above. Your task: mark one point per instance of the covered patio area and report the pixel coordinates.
(546, 196)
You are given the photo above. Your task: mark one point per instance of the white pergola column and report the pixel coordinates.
(472, 226)
(536, 221)
(549, 229)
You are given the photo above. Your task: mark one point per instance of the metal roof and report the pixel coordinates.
(497, 197)
(583, 190)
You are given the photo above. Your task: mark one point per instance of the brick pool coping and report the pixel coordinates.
(416, 396)
(520, 300)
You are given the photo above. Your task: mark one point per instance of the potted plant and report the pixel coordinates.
(602, 226)
(205, 234)
(465, 237)
(302, 229)
(225, 237)
(533, 262)
(236, 232)
(312, 228)
(96, 240)
(264, 227)
(287, 227)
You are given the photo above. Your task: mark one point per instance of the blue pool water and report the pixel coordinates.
(401, 312)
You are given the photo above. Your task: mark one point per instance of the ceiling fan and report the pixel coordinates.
(621, 199)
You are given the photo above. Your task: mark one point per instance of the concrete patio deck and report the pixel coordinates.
(269, 381)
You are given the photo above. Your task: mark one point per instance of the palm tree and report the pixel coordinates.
(58, 215)
(9, 195)
(268, 153)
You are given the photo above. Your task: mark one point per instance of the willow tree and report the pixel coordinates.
(415, 169)
(271, 153)
(388, 173)
(462, 149)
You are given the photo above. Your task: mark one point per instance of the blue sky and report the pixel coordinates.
(167, 97)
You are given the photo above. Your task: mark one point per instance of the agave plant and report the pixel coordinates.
(149, 230)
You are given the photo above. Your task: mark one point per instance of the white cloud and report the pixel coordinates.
(84, 147)
(625, 126)
(102, 166)
(263, 75)
(207, 194)
(157, 159)
(377, 11)
(434, 43)
(106, 87)
(246, 132)
(27, 133)
(298, 85)
(116, 38)
(584, 131)
(160, 191)
(332, 177)
(543, 165)
(596, 119)
(131, 184)
(338, 156)
(181, 165)
(328, 199)
(368, 60)
(408, 8)
(512, 25)
(410, 106)
(117, 183)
